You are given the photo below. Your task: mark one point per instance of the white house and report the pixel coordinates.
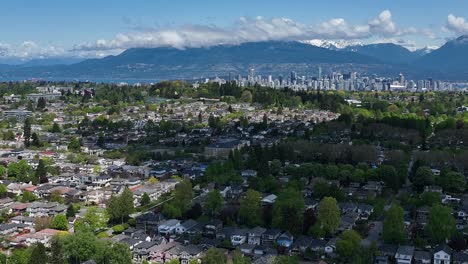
(404, 255)
(168, 227)
(239, 237)
(442, 254)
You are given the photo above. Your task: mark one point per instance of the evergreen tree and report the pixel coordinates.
(56, 128)
(56, 251)
(27, 132)
(71, 211)
(145, 199)
(36, 142)
(41, 172)
(38, 254)
(74, 145)
(41, 103)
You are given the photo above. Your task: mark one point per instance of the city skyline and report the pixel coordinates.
(96, 29)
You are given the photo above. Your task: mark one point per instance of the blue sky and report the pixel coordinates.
(89, 28)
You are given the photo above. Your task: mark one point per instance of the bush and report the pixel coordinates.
(131, 222)
(118, 229)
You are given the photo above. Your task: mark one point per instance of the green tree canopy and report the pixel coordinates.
(329, 214)
(250, 212)
(288, 211)
(60, 222)
(441, 224)
(393, 226)
(214, 256)
(214, 202)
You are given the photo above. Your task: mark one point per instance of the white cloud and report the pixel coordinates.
(250, 30)
(244, 30)
(456, 25)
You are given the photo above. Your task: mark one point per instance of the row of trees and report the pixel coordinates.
(440, 227)
(73, 249)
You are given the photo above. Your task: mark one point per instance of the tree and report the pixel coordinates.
(349, 244)
(19, 170)
(9, 135)
(93, 220)
(20, 256)
(3, 171)
(214, 202)
(329, 214)
(3, 191)
(36, 142)
(238, 258)
(38, 254)
(56, 251)
(246, 96)
(72, 210)
(120, 207)
(393, 226)
(27, 131)
(214, 256)
(286, 260)
(41, 172)
(28, 197)
(60, 222)
(430, 198)
(288, 211)
(145, 199)
(183, 195)
(118, 253)
(80, 247)
(441, 224)
(389, 175)
(127, 207)
(74, 145)
(97, 169)
(41, 103)
(171, 211)
(452, 182)
(152, 180)
(56, 128)
(423, 177)
(250, 212)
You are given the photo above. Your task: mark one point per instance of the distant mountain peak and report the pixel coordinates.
(330, 44)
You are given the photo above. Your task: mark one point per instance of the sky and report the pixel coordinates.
(96, 28)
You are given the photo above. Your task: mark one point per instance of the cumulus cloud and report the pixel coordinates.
(244, 30)
(251, 30)
(456, 25)
(29, 49)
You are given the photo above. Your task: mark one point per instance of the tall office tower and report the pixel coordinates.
(251, 74)
(293, 77)
(401, 79)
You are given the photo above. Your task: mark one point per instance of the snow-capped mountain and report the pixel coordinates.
(331, 44)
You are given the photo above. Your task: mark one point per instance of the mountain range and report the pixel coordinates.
(272, 57)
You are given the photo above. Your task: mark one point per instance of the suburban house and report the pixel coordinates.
(442, 254)
(404, 255)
